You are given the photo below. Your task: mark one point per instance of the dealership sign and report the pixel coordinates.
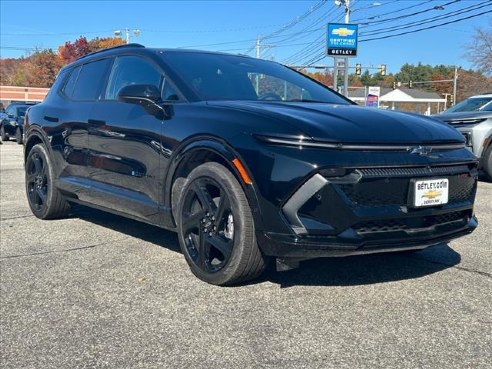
(372, 98)
(342, 39)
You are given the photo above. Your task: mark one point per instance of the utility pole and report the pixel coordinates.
(346, 66)
(455, 84)
(136, 33)
(346, 4)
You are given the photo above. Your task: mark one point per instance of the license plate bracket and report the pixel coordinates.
(425, 192)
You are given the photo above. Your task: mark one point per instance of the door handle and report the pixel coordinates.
(51, 119)
(96, 122)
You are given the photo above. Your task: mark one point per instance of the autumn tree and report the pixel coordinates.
(104, 43)
(42, 68)
(480, 49)
(71, 51)
(8, 68)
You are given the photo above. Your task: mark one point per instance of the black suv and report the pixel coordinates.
(245, 158)
(12, 125)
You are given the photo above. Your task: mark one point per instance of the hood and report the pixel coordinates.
(351, 123)
(464, 117)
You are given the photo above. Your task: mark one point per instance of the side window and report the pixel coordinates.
(90, 80)
(131, 70)
(169, 93)
(10, 110)
(68, 88)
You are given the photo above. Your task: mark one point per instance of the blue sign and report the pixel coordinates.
(342, 39)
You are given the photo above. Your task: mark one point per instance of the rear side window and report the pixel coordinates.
(68, 88)
(132, 70)
(90, 80)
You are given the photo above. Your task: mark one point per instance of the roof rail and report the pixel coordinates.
(112, 48)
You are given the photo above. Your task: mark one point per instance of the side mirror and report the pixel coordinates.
(148, 96)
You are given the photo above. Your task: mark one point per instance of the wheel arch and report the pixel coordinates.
(34, 138)
(200, 150)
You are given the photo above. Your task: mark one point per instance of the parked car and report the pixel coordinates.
(481, 102)
(245, 159)
(473, 118)
(12, 123)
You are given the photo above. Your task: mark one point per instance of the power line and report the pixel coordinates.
(426, 28)
(292, 23)
(392, 12)
(430, 20)
(435, 7)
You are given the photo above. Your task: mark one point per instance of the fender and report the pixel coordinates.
(35, 132)
(220, 148)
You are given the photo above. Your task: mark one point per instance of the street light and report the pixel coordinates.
(119, 32)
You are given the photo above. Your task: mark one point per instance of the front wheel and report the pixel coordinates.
(216, 229)
(45, 200)
(487, 163)
(18, 136)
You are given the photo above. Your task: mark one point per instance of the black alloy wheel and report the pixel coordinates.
(215, 227)
(45, 201)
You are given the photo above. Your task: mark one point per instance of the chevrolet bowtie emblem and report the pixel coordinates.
(420, 150)
(432, 194)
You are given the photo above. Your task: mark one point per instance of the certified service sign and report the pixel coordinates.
(342, 39)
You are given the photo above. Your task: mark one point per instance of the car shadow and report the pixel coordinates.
(344, 271)
(130, 227)
(367, 269)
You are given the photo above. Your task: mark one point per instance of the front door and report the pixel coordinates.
(125, 144)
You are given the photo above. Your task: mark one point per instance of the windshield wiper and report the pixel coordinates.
(305, 100)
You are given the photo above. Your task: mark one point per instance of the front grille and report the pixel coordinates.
(394, 191)
(413, 172)
(392, 225)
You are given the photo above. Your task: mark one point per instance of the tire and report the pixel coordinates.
(487, 163)
(3, 135)
(18, 136)
(45, 200)
(215, 228)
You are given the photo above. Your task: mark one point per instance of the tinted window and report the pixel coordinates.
(90, 80)
(68, 89)
(21, 111)
(471, 104)
(131, 70)
(230, 77)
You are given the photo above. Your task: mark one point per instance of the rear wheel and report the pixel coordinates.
(3, 135)
(45, 200)
(18, 136)
(215, 227)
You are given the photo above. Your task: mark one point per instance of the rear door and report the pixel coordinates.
(65, 120)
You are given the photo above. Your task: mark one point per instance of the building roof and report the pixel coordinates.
(398, 95)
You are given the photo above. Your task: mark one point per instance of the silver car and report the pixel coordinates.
(473, 118)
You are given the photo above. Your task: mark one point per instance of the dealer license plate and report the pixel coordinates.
(431, 192)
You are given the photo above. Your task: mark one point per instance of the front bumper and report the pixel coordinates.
(369, 210)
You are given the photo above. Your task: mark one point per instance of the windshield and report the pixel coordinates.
(21, 111)
(472, 104)
(230, 77)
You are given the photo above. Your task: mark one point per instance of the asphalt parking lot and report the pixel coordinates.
(99, 291)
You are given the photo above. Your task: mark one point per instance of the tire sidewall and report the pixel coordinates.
(487, 163)
(18, 136)
(242, 231)
(41, 150)
(3, 134)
